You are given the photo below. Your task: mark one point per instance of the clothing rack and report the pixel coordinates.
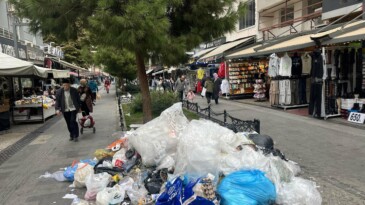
(285, 107)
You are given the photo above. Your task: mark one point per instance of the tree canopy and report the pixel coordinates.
(164, 28)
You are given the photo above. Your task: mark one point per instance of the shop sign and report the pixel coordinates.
(35, 54)
(7, 47)
(356, 117)
(55, 51)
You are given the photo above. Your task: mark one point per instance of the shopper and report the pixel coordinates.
(68, 104)
(209, 86)
(217, 87)
(180, 87)
(86, 102)
(107, 85)
(94, 89)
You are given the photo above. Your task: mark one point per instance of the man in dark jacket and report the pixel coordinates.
(217, 87)
(68, 103)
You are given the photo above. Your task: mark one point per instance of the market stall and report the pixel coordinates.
(25, 82)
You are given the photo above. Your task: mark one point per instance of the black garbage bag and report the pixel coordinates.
(112, 171)
(155, 180)
(263, 142)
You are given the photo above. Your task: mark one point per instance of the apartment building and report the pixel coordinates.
(29, 45)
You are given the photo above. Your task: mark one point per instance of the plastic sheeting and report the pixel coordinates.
(159, 137)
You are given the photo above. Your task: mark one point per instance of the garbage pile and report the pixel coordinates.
(171, 161)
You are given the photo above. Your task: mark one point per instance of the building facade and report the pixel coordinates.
(29, 45)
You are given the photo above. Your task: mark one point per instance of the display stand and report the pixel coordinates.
(26, 114)
(285, 107)
(331, 116)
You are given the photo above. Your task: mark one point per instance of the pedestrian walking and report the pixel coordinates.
(217, 87)
(209, 86)
(68, 104)
(86, 102)
(94, 89)
(180, 87)
(107, 85)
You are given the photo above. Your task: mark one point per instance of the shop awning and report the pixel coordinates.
(171, 69)
(347, 37)
(219, 51)
(149, 71)
(246, 52)
(159, 72)
(202, 52)
(10, 66)
(339, 29)
(69, 65)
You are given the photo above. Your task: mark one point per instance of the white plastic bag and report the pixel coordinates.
(119, 158)
(204, 91)
(77, 201)
(158, 138)
(56, 175)
(81, 173)
(87, 122)
(96, 183)
(114, 195)
(299, 192)
(166, 163)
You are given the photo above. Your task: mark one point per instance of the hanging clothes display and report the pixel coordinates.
(297, 65)
(200, 74)
(285, 65)
(222, 70)
(274, 64)
(259, 90)
(274, 92)
(225, 86)
(306, 63)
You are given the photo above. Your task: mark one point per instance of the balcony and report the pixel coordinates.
(5, 33)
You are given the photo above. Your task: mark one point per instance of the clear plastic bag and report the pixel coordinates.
(199, 148)
(114, 195)
(159, 137)
(299, 192)
(96, 183)
(81, 173)
(247, 187)
(77, 201)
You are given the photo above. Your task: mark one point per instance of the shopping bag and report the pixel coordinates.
(203, 92)
(98, 96)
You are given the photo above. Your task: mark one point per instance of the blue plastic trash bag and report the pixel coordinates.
(249, 187)
(189, 195)
(173, 193)
(70, 171)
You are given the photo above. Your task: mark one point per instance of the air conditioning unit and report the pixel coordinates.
(318, 22)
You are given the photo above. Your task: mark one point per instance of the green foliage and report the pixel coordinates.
(119, 63)
(131, 88)
(160, 102)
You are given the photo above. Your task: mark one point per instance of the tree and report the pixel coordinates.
(167, 28)
(117, 63)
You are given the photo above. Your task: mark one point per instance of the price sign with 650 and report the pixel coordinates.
(356, 117)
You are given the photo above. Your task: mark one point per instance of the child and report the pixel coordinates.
(191, 96)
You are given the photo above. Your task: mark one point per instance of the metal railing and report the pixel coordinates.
(5, 33)
(235, 124)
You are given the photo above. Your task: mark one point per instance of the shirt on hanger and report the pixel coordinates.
(285, 66)
(296, 65)
(307, 63)
(274, 64)
(200, 74)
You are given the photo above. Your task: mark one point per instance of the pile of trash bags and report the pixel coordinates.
(171, 161)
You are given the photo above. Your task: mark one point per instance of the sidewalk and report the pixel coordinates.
(52, 150)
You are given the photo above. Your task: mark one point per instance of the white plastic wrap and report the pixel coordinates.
(299, 192)
(96, 183)
(200, 147)
(56, 175)
(114, 195)
(81, 173)
(119, 158)
(158, 138)
(166, 163)
(77, 201)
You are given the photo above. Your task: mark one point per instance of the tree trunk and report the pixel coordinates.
(145, 91)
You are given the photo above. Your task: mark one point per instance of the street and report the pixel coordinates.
(19, 176)
(330, 154)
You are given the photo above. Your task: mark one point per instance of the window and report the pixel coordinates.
(287, 13)
(313, 5)
(248, 19)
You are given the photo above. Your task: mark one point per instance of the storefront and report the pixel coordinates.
(321, 71)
